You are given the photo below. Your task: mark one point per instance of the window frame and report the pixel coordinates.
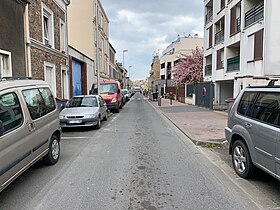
(2, 71)
(46, 12)
(53, 83)
(62, 34)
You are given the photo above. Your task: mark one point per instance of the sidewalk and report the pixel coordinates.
(201, 125)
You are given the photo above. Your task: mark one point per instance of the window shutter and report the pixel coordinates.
(233, 24)
(258, 45)
(211, 36)
(219, 61)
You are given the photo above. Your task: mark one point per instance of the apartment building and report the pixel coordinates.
(240, 45)
(113, 72)
(154, 78)
(88, 44)
(171, 55)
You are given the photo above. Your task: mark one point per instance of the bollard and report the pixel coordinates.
(159, 101)
(170, 97)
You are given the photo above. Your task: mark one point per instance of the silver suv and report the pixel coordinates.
(29, 127)
(253, 131)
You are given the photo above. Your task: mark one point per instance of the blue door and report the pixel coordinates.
(76, 77)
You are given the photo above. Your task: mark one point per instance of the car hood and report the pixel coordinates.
(79, 111)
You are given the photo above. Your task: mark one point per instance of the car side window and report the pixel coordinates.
(48, 98)
(10, 112)
(35, 103)
(246, 103)
(267, 108)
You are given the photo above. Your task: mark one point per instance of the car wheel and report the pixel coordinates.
(54, 151)
(241, 160)
(117, 110)
(98, 123)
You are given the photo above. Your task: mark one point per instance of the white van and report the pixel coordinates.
(29, 127)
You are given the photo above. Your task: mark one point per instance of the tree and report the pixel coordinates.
(189, 69)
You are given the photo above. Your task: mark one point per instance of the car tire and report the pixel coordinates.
(117, 110)
(98, 125)
(241, 159)
(54, 151)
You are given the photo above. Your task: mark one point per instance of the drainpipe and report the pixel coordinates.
(28, 43)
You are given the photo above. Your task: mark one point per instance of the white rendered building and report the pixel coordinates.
(240, 44)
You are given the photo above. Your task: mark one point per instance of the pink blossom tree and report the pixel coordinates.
(189, 69)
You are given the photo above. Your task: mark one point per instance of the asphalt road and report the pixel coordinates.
(137, 160)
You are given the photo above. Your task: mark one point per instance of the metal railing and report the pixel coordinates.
(254, 14)
(220, 36)
(209, 16)
(233, 64)
(208, 70)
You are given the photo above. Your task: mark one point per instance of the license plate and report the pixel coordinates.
(75, 121)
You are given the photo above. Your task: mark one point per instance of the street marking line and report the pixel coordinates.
(75, 137)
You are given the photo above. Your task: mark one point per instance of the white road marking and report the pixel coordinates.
(138, 99)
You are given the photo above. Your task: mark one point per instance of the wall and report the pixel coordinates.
(12, 28)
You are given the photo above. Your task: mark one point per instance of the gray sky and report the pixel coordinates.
(148, 26)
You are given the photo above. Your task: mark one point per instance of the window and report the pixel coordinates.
(267, 108)
(47, 26)
(210, 37)
(48, 99)
(223, 3)
(5, 64)
(162, 66)
(62, 36)
(220, 63)
(10, 112)
(50, 76)
(255, 42)
(246, 103)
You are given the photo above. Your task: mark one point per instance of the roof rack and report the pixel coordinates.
(14, 78)
(269, 85)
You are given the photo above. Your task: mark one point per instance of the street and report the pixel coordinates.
(137, 160)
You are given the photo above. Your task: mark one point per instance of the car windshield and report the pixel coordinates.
(82, 102)
(105, 88)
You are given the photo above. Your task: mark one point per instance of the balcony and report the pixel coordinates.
(254, 14)
(233, 64)
(219, 37)
(209, 16)
(208, 70)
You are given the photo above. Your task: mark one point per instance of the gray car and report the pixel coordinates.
(253, 131)
(84, 110)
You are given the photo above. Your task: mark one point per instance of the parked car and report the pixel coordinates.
(253, 131)
(126, 94)
(84, 110)
(29, 127)
(110, 91)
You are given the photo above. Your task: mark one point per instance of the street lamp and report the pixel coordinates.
(123, 56)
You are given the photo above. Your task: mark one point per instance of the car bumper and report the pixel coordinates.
(112, 106)
(67, 123)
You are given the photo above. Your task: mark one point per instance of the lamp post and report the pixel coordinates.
(129, 74)
(123, 56)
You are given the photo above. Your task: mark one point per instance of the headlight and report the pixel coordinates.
(62, 117)
(114, 100)
(90, 116)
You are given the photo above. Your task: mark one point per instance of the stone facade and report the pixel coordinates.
(39, 57)
(39, 53)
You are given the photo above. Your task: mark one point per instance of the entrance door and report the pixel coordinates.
(76, 77)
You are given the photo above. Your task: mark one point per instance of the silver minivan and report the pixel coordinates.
(29, 127)
(253, 131)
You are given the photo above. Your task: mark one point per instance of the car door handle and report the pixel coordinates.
(31, 126)
(248, 125)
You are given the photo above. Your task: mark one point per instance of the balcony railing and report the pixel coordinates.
(208, 70)
(233, 64)
(220, 36)
(254, 14)
(209, 16)
(238, 25)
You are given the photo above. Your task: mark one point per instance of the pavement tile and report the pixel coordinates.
(201, 125)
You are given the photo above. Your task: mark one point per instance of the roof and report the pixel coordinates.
(7, 84)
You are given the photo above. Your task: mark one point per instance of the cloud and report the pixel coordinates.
(149, 26)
